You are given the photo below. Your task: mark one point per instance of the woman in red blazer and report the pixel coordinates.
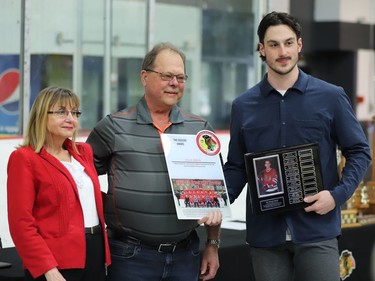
(55, 209)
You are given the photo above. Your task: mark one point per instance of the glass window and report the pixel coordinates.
(10, 30)
(227, 55)
(96, 48)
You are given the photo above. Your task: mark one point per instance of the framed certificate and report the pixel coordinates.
(279, 179)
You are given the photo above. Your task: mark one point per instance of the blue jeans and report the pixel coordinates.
(131, 262)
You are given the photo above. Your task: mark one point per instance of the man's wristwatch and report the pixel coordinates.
(215, 242)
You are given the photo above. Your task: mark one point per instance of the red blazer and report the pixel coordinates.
(44, 212)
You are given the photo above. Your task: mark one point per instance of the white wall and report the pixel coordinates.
(360, 11)
(344, 11)
(8, 145)
(365, 85)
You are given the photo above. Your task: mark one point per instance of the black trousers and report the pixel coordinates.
(94, 268)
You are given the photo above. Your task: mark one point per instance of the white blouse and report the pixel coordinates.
(85, 190)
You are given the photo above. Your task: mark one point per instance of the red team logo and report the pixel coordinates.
(347, 264)
(208, 142)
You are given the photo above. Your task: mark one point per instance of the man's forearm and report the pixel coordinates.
(213, 232)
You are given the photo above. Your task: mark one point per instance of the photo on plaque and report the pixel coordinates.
(269, 179)
(279, 179)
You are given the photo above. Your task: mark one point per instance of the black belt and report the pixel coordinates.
(167, 247)
(93, 229)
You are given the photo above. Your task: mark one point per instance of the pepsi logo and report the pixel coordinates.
(9, 81)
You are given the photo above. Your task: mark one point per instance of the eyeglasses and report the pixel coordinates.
(63, 113)
(181, 78)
